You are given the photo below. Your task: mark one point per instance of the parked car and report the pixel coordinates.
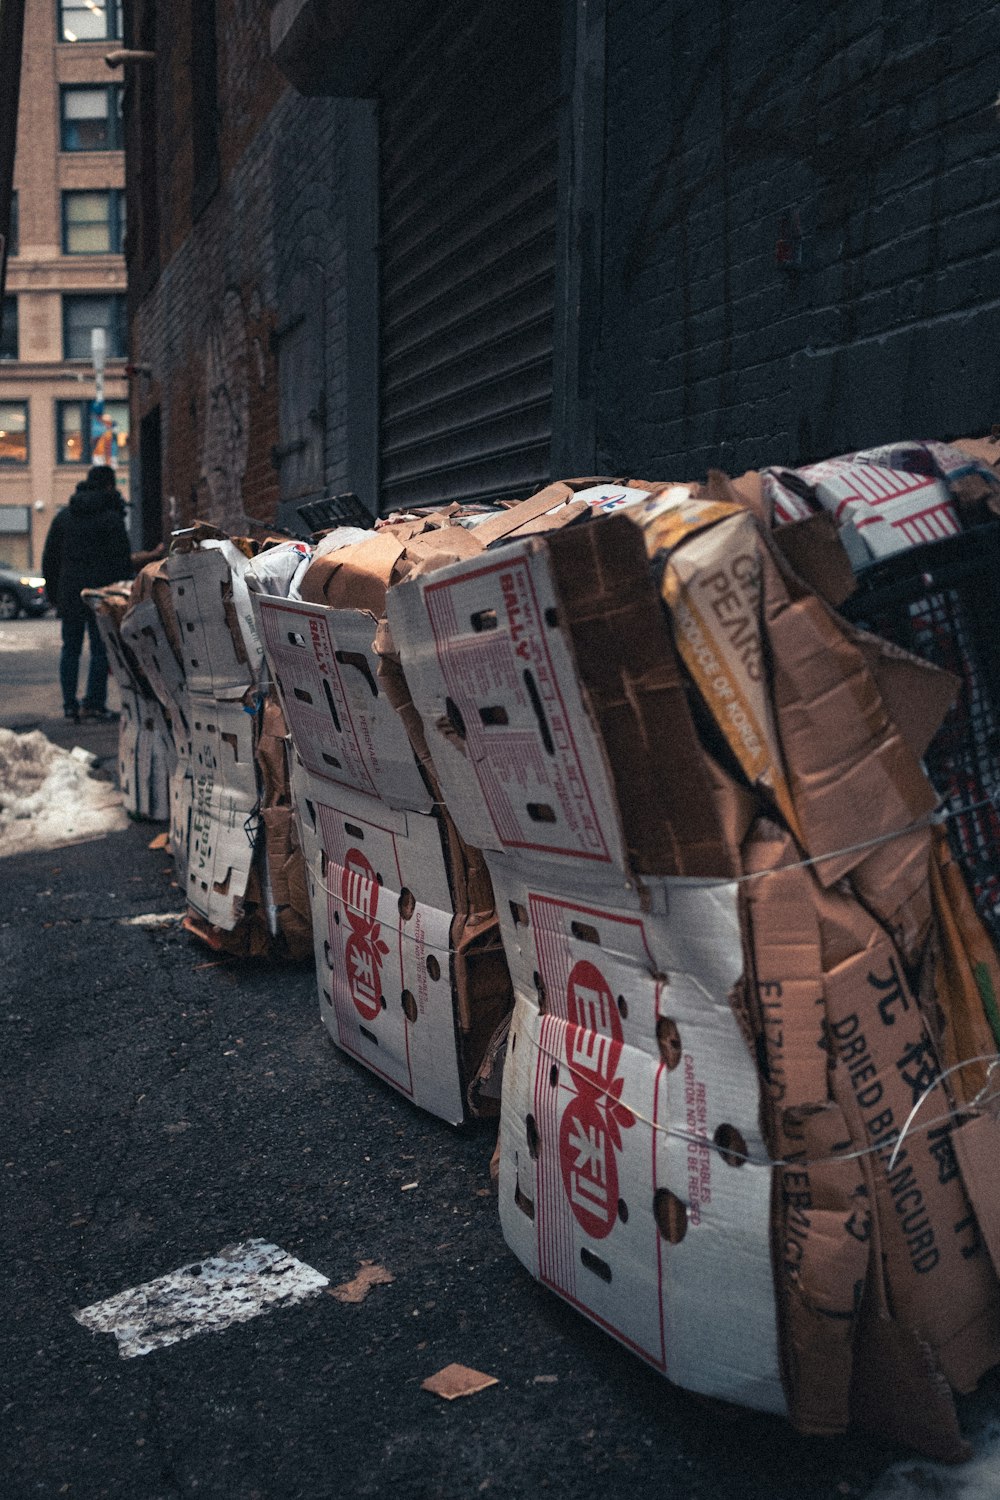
(21, 593)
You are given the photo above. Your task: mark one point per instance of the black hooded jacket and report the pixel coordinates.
(86, 548)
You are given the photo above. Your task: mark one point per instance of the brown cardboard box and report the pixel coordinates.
(286, 879)
(822, 1215)
(547, 683)
(966, 974)
(940, 1279)
(152, 582)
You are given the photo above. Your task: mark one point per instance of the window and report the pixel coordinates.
(91, 117)
(13, 432)
(89, 20)
(8, 329)
(93, 222)
(84, 437)
(82, 313)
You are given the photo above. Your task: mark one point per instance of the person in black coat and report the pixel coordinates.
(86, 548)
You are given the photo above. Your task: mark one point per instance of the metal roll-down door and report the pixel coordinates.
(468, 127)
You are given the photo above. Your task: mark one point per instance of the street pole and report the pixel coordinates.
(99, 355)
(11, 38)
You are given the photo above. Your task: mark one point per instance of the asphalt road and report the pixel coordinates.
(159, 1105)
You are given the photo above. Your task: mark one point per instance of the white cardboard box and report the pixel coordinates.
(602, 1123)
(145, 756)
(143, 632)
(200, 583)
(882, 511)
(223, 804)
(340, 720)
(492, 674)
(382, 919)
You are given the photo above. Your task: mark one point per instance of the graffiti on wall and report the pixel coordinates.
(226, 424)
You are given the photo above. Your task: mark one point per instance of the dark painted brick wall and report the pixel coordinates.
(732, 122)
(205, 325)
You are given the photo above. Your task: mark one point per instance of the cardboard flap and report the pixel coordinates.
(144, 631)
(985, 449)
(813, 550)
(977, 1148)
(437, 548)
(353, 577)
(342, 721)
(899, 1394)
(509, 521)
(916, 693)
(214, 653)
(853, 778)
(674, 804)
(940, 1281)
(382, 918)
(747, 490)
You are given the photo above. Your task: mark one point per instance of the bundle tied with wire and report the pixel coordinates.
(737, 936)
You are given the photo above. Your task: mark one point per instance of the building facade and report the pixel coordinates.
(66, 272)
(432, 251)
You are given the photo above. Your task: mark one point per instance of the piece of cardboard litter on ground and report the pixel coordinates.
(356, 1290)
(457, 1380)
(162, 841)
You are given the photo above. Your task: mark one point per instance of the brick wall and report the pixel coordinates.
(205, 324)
(868, 128)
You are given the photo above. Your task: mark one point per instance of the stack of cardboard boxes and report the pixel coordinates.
(233, 831)
(410, 967)
(610, 756)
(146, 755)
(740, 955)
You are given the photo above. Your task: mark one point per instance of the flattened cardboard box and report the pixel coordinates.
(214, 655)
(382, 919)
(881, 510)
(606, 1194)
(145, 756)
(122, 669)
(543, 676)
(941, 1281)
(223, 803)
(822, 1213)
(144, 633)
(343, 726)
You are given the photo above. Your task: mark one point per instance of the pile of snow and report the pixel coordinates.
(48, 797)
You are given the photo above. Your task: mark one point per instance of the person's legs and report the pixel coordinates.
(69, 660)
(97, 676)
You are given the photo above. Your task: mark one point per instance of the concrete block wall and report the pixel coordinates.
(801, 229)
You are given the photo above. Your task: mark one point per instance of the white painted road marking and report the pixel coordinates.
(153, 919)
(238, 1284)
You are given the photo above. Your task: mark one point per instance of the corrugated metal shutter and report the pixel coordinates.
(468, 235)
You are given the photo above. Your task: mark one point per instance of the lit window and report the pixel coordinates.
(83, 313)
(91, 118)
(13, 432)
(89, 20)
(93, 222)
(86, 437)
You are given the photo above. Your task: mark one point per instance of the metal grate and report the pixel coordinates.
(941, 603)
